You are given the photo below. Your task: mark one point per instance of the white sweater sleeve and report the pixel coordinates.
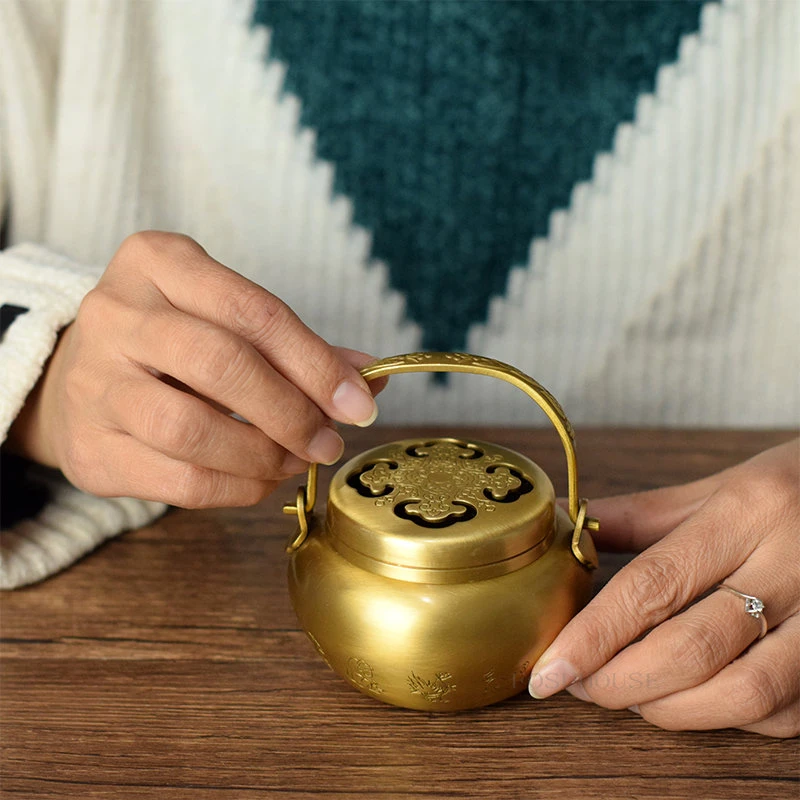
(40, 293)
(46, 289)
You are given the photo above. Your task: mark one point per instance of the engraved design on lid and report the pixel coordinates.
(438, 483)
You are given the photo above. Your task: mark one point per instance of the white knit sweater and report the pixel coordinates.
(120, 115)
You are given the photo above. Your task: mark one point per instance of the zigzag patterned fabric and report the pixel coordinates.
(600, 193)
(458, 128)
(604, 194)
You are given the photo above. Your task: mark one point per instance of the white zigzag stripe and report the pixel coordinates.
(642, 304)
(216, 153)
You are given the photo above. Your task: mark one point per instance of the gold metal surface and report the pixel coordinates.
(303, 508)
(433, 510)
(582, 545)
(443, 568)
(435, 646)
(480, 365)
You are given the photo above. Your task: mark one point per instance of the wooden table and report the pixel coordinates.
(169, 665)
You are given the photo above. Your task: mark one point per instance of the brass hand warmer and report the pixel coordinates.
(443, 567)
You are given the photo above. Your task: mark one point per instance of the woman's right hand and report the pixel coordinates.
(137, 396)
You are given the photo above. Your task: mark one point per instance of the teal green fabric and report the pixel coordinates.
(458, 127)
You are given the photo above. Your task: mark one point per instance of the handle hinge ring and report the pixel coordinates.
(303, 509)
(582, 546)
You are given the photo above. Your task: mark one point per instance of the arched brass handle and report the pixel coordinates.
(582, 547)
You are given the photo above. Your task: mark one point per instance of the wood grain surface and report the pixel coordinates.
(169, 665)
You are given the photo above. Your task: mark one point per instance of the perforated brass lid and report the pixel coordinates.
(443, 504)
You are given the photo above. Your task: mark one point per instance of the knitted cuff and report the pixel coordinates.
(72, 524)
(40, 293)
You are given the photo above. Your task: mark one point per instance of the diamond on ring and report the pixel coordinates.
(752, 606)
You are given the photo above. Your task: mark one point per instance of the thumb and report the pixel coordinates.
(632, 522)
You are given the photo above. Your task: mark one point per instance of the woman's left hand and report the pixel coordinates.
(701, 665)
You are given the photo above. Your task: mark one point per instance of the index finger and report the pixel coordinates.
(631, 523)
(198, 285)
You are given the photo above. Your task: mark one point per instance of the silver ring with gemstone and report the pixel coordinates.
(752, 606)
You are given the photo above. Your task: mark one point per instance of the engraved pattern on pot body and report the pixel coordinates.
(362, 675)
(434, 691)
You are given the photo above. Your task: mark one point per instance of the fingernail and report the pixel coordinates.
(635, 710)
(551, 678)
(355, 405)
(326, 447)
(577, 690)
(293, 465)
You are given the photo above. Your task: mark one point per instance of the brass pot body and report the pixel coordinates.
(435, 647)
(444, 614)
(443, 568)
